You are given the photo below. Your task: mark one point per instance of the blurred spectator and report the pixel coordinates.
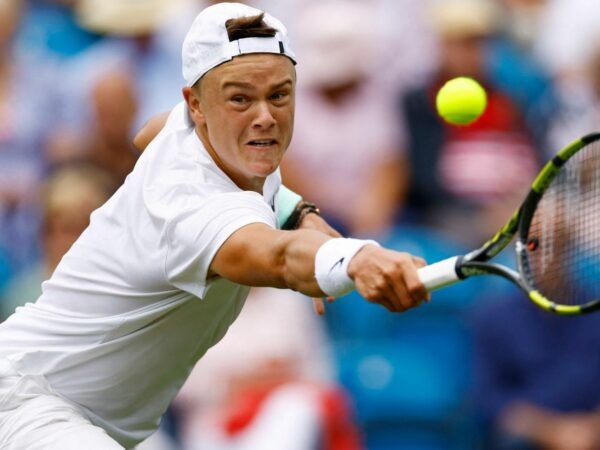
(27, 117)
(115, 106)
(567, 45)
(577, 107)
(466, 180)
(408, 52)
(536, 377)
(522, 21)
(566, 29)
(345, 134)
(106, 142)
(267, 384)
(68, 198)
(514, 68)
(131, 44)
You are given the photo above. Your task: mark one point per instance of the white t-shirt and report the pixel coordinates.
(130, 310)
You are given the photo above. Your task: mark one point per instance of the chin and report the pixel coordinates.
(264, 173)
(263, 170)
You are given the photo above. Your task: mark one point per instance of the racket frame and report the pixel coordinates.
(457, 268)
(527, 210)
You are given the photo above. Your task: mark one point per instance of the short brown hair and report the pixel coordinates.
(247, 27)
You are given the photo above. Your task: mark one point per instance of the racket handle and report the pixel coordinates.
(439, 274)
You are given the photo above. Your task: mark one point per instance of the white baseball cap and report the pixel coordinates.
(207, 44)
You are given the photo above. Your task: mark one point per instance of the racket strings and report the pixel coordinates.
(564, 235)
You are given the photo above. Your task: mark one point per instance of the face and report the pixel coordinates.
(115, 106)
(463, 55)
(244, 114)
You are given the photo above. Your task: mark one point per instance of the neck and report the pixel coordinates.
(253, 184)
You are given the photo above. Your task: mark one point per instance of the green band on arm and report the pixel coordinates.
(285, 204)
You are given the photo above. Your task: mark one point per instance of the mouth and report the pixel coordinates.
(262, 143)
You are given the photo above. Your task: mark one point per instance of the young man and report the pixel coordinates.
(163, 268)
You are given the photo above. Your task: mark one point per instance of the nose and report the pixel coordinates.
(264, 117)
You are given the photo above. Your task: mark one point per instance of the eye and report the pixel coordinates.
(279, 95)
(239, 99)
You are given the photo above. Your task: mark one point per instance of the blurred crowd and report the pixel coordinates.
(477, 368)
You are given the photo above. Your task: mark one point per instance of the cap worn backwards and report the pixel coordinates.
(207, 43)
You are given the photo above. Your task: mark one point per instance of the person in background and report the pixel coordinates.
(347, 148)
(26, 123)
(562, 44)
(536, 377)
(131, 44)
(577, 108)
(67, 198)
(106, 141)
(454, 169)
(514, 67)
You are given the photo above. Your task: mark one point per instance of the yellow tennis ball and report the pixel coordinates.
(461, 101)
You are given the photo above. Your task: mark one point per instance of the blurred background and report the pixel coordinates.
(478, 367)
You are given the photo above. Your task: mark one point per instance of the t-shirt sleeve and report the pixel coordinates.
(195, 235)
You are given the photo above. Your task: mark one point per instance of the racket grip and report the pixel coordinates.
(439, 274)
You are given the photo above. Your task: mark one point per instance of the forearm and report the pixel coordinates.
(298, 251)
(311, 262)
(257, 255)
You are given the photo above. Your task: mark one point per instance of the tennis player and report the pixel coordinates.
(165, 265)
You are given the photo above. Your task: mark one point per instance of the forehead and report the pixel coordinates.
(255, 70)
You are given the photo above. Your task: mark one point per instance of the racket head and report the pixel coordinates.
(558, 239)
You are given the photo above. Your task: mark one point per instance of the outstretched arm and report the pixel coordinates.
(296, 259)
(287, 258)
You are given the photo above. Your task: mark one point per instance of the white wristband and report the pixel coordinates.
(331, 265)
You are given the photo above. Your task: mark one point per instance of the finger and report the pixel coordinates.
(319, 306)
(387, 304)
(401, 297)
(330, 299)
(392, 296)
(407, 289)
(375, 295)
(418, 261)
(414, 285)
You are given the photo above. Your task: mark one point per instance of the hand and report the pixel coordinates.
(574, 432)
(388, 278)
(552, 430)
(316, 222)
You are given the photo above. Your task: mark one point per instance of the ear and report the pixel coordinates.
(192, 98)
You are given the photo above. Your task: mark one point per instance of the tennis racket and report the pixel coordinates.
(558, 237)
